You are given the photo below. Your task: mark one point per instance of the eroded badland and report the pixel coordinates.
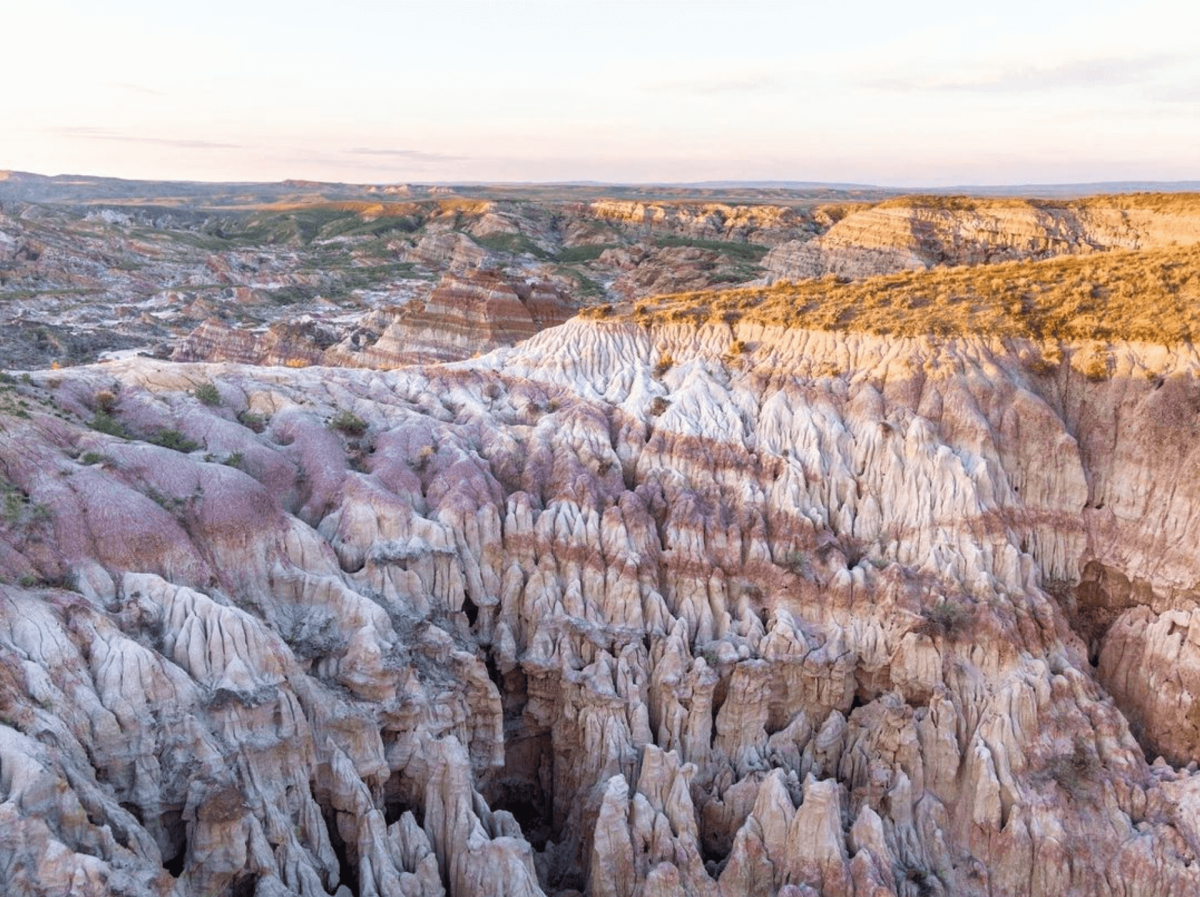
(616, 545)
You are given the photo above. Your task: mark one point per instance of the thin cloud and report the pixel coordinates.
(715, 86)
(91, 133)
(406, 155)
(135, 88)
(1023, 78)
(1183, 93)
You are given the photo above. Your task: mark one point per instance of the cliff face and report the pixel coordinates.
(620, 610)
(462, 316)
(918, 233)
(764, 224)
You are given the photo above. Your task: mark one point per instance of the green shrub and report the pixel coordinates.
(92, 458)
(14, 504)
(103, 422)
(175, 440)
(796, 562)
(348, 422)
(252, 421)
(207, 394)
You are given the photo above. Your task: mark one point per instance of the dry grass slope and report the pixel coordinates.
(1165, 203)
(1151, 295)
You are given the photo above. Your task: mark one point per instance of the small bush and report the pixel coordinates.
(27, 581)
(946, 619)
(252, 421)
(737, 347)
(92, 458)
(207, 394)
(68, 580)
(174, 440)
(658, 406)
(14, 504)
(105, 401)
(1093, 363)
(103, 422)
(796, 562)
(1048, 361)
(348, 423)
(664, 364)
(234, 460)
(166, 502)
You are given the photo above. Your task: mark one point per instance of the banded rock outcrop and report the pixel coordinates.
(765, 224)
(461, 317)
(918, 233)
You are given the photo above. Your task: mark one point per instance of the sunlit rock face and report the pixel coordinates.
(462, 316)
(619, 611)
(922, 232)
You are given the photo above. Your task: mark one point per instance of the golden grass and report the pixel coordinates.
(1147, 202)
(1151, 295)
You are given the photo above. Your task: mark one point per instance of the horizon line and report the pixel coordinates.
(727, 183)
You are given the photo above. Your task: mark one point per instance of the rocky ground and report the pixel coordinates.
(715, 599)
(622, 610)
(369, 281)
(287, 283)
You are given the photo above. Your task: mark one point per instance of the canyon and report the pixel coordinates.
(839, 576)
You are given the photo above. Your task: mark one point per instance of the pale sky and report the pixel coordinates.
(907, 94)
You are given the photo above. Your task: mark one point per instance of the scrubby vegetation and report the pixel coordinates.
(948, 618)
(103, 422)
(252, 421)
(348, 423)
(207, 394)
(175, 440)
(1150, 295)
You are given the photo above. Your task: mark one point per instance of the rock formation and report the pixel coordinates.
(622, 610)
(922, 232)
(462, 316)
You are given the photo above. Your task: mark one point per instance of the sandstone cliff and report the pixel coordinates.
(462, 316)
(922, 232)
(623, 610)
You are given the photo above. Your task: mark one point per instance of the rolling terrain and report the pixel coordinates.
(880, 582)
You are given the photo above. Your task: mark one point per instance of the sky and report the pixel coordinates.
(383, 91)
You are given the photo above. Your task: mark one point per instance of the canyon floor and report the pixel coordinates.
(414, 544)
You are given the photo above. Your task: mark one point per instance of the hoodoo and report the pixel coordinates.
(827, 587)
